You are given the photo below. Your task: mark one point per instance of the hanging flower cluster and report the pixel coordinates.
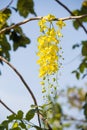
(48, 49)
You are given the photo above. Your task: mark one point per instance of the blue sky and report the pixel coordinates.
(12, 91)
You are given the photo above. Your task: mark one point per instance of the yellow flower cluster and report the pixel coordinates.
(48, 55)
(48, 51)
(48, 46)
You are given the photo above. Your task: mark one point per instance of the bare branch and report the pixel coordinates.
(73, 17)
(24, 82)
(18, 24)
(9, 109)
(64, 6)
(7, 6)
(38, 18)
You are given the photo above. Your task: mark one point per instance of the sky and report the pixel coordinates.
(12, 90)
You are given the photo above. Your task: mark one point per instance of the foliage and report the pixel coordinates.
(18, 121)
(14, 38)
(52, 112)
(25, 7)
(82, 69)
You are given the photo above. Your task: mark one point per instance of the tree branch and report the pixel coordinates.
(64, 6)
(72, 17)
(38, 18)
(25, 84)
(7, 6)
(7, 107)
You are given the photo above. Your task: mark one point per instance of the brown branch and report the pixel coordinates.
(25, 84)
(73, 17)
(7, 107)
(64, 6)
(7, 6)
(38, 18)
(18, 24)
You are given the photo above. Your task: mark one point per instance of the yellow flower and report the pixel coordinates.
(60, 24)
(49, 17)
(42, 83)
(51, 32)
(48, 63)
(42, 24)
(59, 33)
(42, 71)
(48, 46)
(48, 52)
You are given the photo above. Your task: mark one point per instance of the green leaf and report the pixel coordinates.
(19, 115)
(22, 42)
(85, 110)
(22, 125)
(18, 30)
(5, 47)
(1, 127)
(4, 15)
(82, 67)
(76, 25)
(84, 10)
(7, 12)
(84, 48)
(75, 46)
(5, 124)
(25, 7)
(17, 128)
(18, 38)
(4, 43)
(11, 117)
(30, 114)
(76, 12)
(77, 75)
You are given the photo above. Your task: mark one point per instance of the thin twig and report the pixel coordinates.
(7, 6)
(9, 109)
(25, 84)
(64, 6)
(38, 18)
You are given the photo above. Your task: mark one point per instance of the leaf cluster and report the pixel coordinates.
(81, 11)
(19, 121)
(82, 68)
(13, 39)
